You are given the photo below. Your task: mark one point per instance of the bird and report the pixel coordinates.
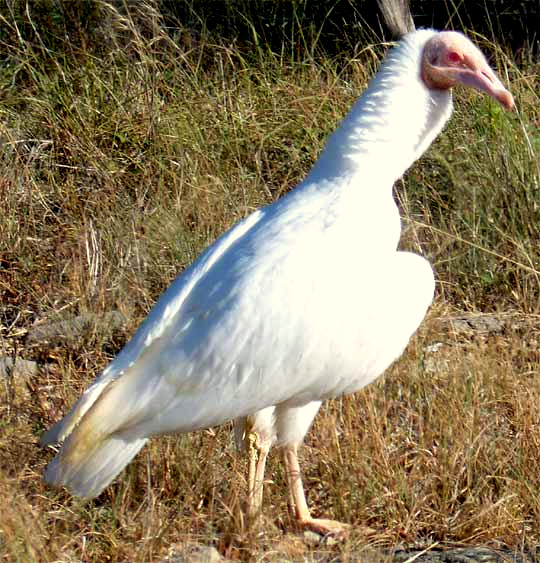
(304, 300)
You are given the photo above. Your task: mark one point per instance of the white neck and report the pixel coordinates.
(392, 124)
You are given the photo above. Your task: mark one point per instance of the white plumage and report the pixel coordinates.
(304, 300)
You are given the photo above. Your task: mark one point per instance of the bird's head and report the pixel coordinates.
(449, 59)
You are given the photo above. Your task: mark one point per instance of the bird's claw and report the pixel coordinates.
(326, 528)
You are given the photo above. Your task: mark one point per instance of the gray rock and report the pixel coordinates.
(478, 323)
(192, 553)
(71, 331)
(460, 555)
(312, 538)
(17, 368)
(195, 553)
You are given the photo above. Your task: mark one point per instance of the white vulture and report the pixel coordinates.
(304, 300)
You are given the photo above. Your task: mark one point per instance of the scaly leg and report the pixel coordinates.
(258, 452)
(301, 510)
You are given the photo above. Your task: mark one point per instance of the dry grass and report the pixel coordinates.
(116, 171)
(444, 448)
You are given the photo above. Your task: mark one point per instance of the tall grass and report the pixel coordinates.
(118, 167)
(477, 195)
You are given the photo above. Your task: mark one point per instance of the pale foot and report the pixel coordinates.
(326, 528)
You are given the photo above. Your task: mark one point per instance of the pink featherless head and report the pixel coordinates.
(450, 59)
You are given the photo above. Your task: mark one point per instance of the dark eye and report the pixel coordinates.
(454, 57)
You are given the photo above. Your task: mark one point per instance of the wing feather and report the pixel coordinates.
(142, 343)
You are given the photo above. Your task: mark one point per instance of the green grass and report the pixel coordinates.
(117, 169)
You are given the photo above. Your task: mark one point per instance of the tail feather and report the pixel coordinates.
(65, 426)
(86, 469)
(97, 435)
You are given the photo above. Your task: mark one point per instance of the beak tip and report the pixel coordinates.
(506, 100)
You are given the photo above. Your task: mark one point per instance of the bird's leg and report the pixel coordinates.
(263, 449)
(251, 438)
(258, 449)
(296, 491)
